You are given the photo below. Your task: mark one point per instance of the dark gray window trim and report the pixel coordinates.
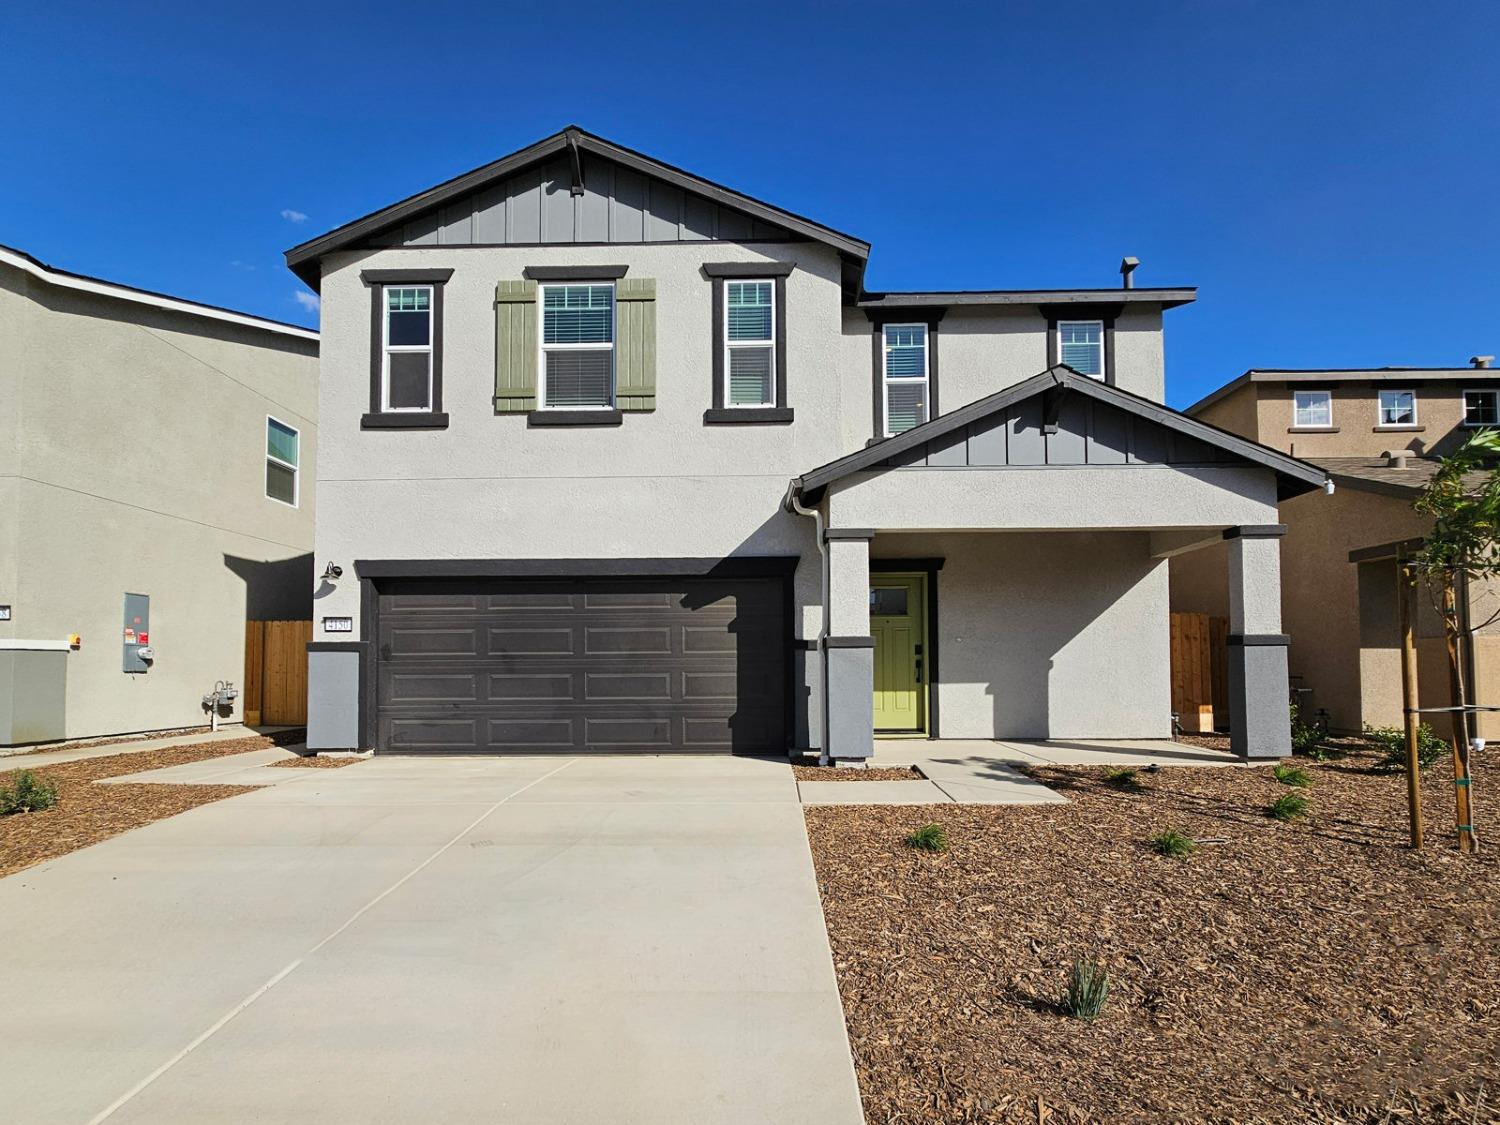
(1107, 313)
(879, 318)
(748, 269)
(929, 567)
(563, 417)
(377, 419)
(574, 273)
(720, 413)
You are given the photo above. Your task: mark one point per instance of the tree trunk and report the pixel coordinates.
(1468, 840)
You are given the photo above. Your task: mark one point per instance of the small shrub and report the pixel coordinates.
(28, 793)
(929, 838)
(1294, 776)
(1122, 777)
(1391, 742)
(1289, 806)
(1173, 843)
(1307, 739)
(1088, 988)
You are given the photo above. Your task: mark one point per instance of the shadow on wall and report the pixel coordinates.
(278, 590)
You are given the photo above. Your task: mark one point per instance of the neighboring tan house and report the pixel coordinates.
(618, 458)
(1377, 433)
(156, 490)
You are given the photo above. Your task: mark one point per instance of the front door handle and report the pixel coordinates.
(919, 671)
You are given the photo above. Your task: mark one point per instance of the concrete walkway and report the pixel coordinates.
(526, 939)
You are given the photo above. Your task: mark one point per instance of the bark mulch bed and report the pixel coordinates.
(315, 762)
(874, 773)
(86, 813)
(1317, 970)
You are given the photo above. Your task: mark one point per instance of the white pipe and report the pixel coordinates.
(817, 517)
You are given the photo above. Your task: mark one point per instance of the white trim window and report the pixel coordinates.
(1398, 408)
(905, 377)
(406, 339)
(282, 457)
(1080, 344)
(1312, 410)
(750, 343)
(1481, 409)
(576, 368)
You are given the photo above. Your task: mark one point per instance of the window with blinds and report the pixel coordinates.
(1080, 345)
(578, 346)
(281, 462)
(406, 383)
(1398, 408)
(905, 377)
(750, 343)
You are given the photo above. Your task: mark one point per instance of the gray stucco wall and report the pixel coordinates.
(1048, 635)
(141, 468)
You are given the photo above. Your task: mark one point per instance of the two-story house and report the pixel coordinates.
(616, 458)
(1377, 433)
(156, 492)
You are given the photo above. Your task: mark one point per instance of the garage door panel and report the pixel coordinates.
(475, 666)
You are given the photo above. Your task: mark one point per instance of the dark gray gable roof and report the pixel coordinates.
(1293, 477)
(303, 259)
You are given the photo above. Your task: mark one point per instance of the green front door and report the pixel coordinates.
(896, 623)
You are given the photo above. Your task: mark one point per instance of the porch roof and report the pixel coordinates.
(1293, 476)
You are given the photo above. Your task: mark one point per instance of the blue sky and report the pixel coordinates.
(1326, 173)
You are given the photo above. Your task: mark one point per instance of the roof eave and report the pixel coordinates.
(1167, 297)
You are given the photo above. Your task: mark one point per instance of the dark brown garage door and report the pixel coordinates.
(586, 665)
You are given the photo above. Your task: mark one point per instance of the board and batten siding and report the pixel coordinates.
(617, 205)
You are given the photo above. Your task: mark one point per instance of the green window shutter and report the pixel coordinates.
(635, 343)
(515, 347)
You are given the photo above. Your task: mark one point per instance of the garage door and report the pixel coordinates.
(586, 665)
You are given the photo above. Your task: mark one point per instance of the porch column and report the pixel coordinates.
(1258, 689)
(849, 654)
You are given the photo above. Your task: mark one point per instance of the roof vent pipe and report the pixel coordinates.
(1127, 271)
(1481, 360)
(1396, 458)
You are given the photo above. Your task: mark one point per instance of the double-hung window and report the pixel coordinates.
(577, 366)
(905, 377)
(750, 343)
(281, 462)
(1480, 408)
(1080, 344)
(1398, 408)
(406, 383)
(1312, 410)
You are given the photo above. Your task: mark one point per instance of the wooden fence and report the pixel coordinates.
(275, 691)
(1200, 677)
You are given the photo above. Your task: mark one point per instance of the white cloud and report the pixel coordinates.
(309, 301)
(293, 216)
(239, 265)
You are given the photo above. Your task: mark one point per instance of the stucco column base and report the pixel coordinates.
(850, 668)
(333, 698)
(1259, 717)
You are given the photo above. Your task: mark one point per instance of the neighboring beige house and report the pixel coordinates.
(1377, 433)
(156, 489)
(621, 459)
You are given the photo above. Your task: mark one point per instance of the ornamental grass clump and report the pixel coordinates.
(1173, 843)
(27, 793)
(1289, 806)
(929, 838)
(1295, 776)
(1088, 988)
(1122, 778)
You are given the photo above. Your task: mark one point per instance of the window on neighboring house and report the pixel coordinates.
(1080, 344)
(407, 379)
(905, 377)
(1480, 408)
(281, 462)
(578, 346)
(1312, 409)
(1398, 408)
(750, 343)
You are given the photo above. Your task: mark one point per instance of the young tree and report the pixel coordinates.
(1463, 499)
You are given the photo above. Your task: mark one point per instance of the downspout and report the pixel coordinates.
(795, 504)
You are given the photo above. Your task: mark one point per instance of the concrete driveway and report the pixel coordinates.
(530, 940)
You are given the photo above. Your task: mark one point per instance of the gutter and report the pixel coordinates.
(793, 502)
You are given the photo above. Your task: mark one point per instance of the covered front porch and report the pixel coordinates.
(999, 574)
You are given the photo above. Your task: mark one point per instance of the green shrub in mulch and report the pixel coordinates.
(1391, 742)
(1289, 806)
(929, 838)
(1088, 988)
(1173, 843)
(1122, 778)
(27, 793)
(1295, 776)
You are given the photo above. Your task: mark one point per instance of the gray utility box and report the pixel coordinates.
(33, 695)
(137, 632)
